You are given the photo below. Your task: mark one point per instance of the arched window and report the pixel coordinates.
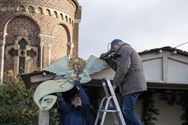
(13, 8)
(70, 20)
(22, 59)
(22, 51)
(55, 13)
(40, 10)
(4, 7)
(62, 16)
(66, 18)
(48, 12)
(21, 8)
(22, 43)
(31, 9)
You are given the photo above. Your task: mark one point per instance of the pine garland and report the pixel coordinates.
(149, 110)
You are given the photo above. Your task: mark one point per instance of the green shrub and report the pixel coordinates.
(17, 106)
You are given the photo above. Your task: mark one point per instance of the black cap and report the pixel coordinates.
(115, 41)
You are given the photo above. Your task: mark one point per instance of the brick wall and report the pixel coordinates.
(46, 25)
(66, 6)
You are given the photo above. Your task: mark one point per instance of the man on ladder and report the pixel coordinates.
(129, 77)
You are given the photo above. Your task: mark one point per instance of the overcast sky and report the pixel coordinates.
(144, 24)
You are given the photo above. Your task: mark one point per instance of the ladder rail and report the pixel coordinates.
(99, 112)
(106, 107)
(116, 102)
(107, 93)
(109, 100)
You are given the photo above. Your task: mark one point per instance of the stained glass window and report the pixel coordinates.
(22, 44)
(21, 64)
(22, 51)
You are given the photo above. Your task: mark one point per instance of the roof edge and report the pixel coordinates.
(76, 4)
(168, 48)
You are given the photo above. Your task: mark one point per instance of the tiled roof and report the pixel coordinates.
(167, 48)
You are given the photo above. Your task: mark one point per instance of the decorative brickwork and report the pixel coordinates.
(17, 29)
(59, 45)
(46, 55)
(66, 6)
(33, 65)
(9, 65)
(47, 26)
(22, 26)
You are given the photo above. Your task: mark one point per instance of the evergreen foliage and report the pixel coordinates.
(17, 106)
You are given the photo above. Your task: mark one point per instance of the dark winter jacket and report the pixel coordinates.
(75, 116)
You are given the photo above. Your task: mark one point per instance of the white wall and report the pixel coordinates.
(169, 115)
(153, 69)
(177, 71)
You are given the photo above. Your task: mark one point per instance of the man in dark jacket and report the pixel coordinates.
(77, 113)
(129, 78)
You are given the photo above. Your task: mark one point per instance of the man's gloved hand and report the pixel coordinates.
(77, 82)
(103, 56)
(116, 88)
(107, 55)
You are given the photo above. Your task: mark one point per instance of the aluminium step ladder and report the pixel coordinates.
(109, 104)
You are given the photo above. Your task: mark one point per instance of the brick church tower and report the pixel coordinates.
(36, 33)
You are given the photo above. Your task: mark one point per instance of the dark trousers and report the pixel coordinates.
(128, 106)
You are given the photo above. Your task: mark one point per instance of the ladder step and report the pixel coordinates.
(109, 111)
